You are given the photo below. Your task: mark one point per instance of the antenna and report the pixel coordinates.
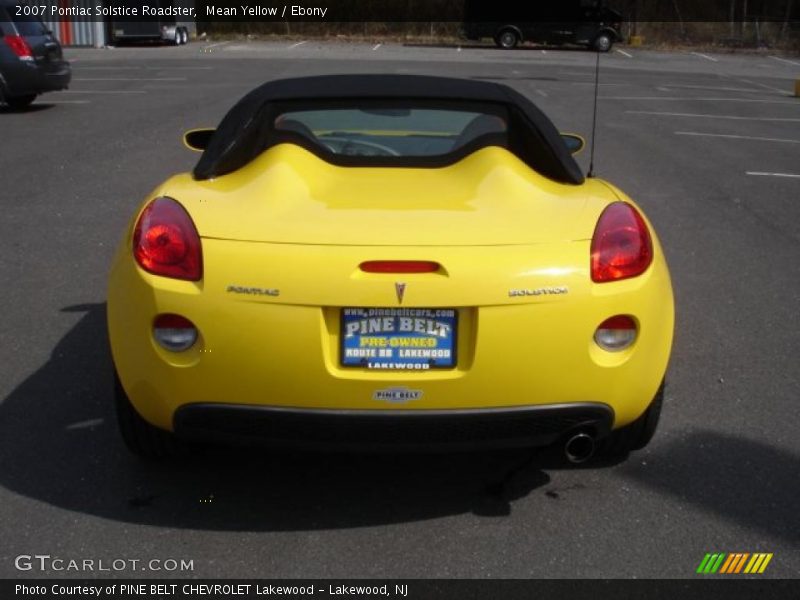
(594, 113)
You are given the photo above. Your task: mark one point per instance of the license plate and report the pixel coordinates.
(399, 339)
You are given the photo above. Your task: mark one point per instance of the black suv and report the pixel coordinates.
(587, 23)
(31, 60)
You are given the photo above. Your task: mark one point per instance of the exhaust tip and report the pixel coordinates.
(579, 448)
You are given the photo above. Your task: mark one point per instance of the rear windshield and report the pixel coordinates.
(393, 131)
(26, 25)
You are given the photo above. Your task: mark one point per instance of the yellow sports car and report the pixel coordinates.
(389, 261)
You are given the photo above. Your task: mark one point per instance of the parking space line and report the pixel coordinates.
(82, 68)
(101, 92)
(376, 46)
(737, 137)
(764, 174)
(129, 79)
(765, 86)
(733, 117)
(709, 87)
(212, 46)
(66, 102)
(706, 56)
(624, 53)
(691, 99)
(542, 93)
(297, 44)
(791, 62)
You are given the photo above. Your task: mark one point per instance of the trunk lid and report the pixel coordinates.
(290, 196)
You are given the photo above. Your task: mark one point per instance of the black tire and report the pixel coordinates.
(636, 435)
(19, 102)
(141, 438)
(603, 42)
(507, 39)
(185, 36)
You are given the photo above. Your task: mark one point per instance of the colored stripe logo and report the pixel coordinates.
(734, 563)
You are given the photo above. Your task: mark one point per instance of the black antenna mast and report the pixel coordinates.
(594, 114)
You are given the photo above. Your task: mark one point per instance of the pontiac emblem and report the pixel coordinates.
(400, 288)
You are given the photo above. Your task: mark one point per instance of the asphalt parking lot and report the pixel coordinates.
(707, 143)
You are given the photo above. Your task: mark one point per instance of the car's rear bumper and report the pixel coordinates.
(518, 426)
(23, 78)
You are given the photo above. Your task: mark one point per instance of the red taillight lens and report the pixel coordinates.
(19, 46)
(616, 333)
(399, 266)
(166, 243)
(621, 246)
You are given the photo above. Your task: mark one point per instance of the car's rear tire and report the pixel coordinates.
(507, 39)
(141, 438)
(636, 435)
(603, 42)
(19, 102)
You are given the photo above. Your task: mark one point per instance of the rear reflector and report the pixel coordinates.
(19, 46)
(399, 266)
(174, 332)
(616, 333)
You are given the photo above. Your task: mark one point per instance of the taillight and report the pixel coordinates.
(621, 245)
(174, 332)
(166, 243)
(399, 266)
(19, 46)
(616, 333)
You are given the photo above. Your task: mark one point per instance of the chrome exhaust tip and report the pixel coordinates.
(579, 448)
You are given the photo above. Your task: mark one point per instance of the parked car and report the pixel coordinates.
(389, 260)
(31, 59)
(587, 23)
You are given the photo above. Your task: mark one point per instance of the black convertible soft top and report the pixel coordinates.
(248, 128)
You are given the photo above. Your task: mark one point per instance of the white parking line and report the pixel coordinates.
(737, 137)
(624, 53)
(706, 56)
(162, 68)
(101, 92)
(82, 68)
(691, 99)
(297, 44)
(763, 174)
(791, 62)
(66, 102)
(129, 79)
(766, 87)
(668, 86)
(212, 46)
(592, 83)
(733, 117)
(86, 424)
(542, 93)
(376, 46)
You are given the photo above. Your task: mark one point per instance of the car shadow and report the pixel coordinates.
(33, 108)
(59, 445)
(748, 482)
